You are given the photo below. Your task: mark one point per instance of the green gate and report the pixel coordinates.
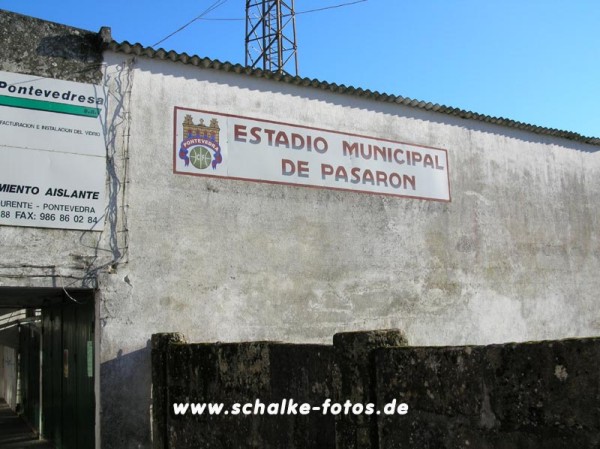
(29, 369)
(68, 405)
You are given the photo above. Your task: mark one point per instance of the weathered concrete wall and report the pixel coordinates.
(34, 257)
(242, 373)
(9, 376)
(53, 257)
(513, 257)
(160, 398)
(37, 47)
(354, 355)
(527, 395)
(532, 395)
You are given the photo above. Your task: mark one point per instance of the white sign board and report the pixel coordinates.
(52, 153)
(222, 145)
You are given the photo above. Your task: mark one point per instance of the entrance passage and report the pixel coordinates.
(15, 433)
(47, 364)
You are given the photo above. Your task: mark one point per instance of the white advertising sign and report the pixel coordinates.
(52, 153)
(222, 145)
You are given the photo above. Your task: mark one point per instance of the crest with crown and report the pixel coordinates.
(200, 144)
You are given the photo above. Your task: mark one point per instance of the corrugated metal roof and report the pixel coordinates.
(207, 63)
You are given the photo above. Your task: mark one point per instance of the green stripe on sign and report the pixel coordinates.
(50, 106)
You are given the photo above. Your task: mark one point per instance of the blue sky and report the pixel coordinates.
(535, 61)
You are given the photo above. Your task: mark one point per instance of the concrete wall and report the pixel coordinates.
(8, 379)
(50, 49)
(513, 257)
(9, 346)
(271, 373)
(57, 258)
(241, 373)
(525, 395)
(532, 395)
(52, 257)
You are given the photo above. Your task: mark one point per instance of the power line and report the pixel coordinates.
(211, 8)
(331, 7)
(218, 3)
(299, 12)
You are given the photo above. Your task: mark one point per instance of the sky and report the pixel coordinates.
(534, 61)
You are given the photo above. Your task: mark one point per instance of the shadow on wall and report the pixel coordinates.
(83, 47)
(41, 48)
(125, 395)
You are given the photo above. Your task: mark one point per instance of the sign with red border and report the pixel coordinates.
(221, 145)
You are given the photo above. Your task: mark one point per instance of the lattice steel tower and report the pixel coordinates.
(271, 36)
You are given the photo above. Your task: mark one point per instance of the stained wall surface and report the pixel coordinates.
(542, 394)
(8, 383)
(35, 257)
(514, 395)
(513, 257)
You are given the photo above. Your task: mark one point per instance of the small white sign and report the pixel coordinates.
(52, 153)
(222, 145)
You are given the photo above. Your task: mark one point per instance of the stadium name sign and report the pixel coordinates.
(228, 146)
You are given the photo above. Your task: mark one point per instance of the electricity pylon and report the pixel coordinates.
(271, 36)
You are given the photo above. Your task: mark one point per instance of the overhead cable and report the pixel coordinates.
(211, 8)
(231, 19)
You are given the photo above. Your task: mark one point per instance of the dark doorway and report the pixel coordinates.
(50, 334)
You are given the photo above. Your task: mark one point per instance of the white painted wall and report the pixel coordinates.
(513, 257)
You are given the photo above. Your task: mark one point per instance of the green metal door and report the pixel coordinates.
(84, 351)
(29, 368)
(68, 374)
(51, 373)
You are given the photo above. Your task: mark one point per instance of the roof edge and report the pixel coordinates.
(207, 63)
